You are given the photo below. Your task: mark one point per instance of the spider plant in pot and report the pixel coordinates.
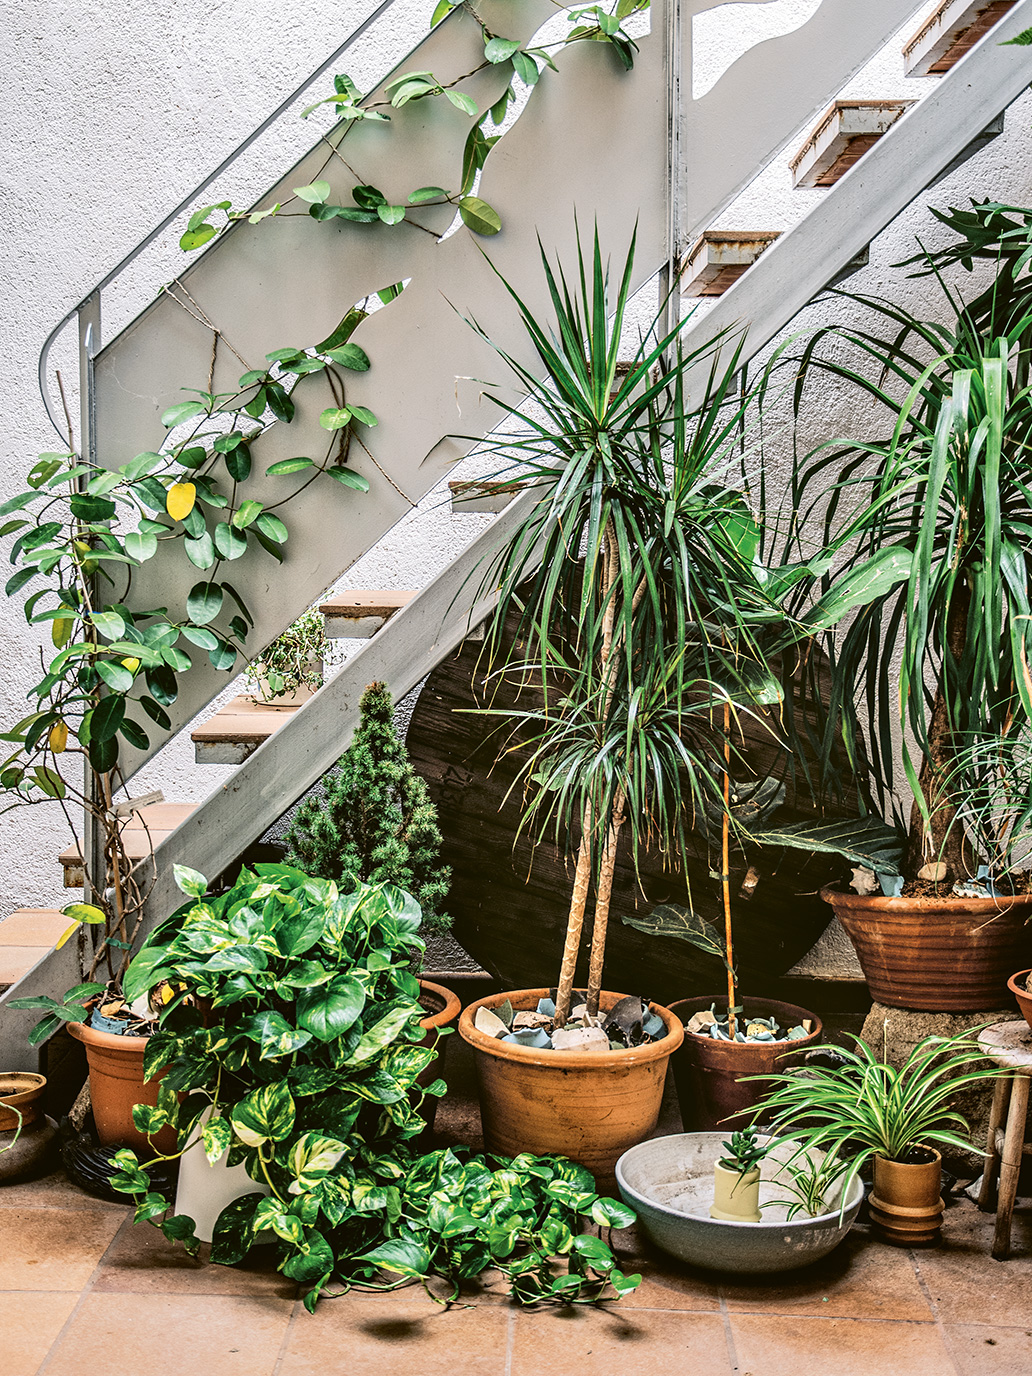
(925, 609)
(290, 670)
(633, 624)
(866, 1112)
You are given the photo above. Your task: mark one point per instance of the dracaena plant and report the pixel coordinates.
(78, 533)
(922, 587)
(634, 578)
(293, 1047)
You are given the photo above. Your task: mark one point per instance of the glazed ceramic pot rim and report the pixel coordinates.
(626, 1057)
(450, 1011)
(925, 906)
(833, 1216)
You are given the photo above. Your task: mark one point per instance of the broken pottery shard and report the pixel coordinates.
(586, 1039)
(653, 1026)
(971, 888)
(934, 872)
(699, 1022)
(757, 1029)
(490, 1023)
(578, 1011)
(807, 1025)
(524, 1020)
(864, 881)
(529, 1036)
(795, 1034)
(625, 1017)
(546, 1006)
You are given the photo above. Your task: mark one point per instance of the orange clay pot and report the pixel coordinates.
(905, 1205)
(591, 1108)
(443, 1007)
(1019, 986)
(21, 1099)
(116, 1085)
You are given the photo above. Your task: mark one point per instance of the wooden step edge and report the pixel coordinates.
(842, 135)
(359, 613)
(145, 831)
(484, 494)
(950, 31)
(720, 257)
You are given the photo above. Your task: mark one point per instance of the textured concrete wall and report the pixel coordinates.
(113, 109)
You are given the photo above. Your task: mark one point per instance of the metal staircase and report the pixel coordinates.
(635, 148)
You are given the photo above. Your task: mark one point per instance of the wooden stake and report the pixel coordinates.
(725, 877)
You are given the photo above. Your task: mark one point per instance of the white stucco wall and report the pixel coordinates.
(112, 109)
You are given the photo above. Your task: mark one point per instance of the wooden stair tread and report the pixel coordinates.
(720, 256)
(950, 31)
(242, 720)
(840, 138)
(144, 830)
(362, 602)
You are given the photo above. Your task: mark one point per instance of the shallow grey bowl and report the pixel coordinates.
(669, 1184)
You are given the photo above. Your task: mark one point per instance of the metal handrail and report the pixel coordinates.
(90, 341)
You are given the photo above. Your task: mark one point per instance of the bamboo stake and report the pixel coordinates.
(725, 876)
(574, 922)
(602, 900)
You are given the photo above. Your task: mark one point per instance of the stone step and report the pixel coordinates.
(843, 134)
(360, 612)
(145, 830)
(720, 257)
(950, 31)
(26, 936)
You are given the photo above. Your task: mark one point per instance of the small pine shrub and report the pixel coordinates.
(374, 822)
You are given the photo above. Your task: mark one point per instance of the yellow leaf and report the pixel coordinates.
(180, 500)
(61, 632)
(131, 664)
(58, 737)
(65, 935)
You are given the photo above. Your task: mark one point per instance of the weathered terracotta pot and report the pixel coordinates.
(591, 1108)
(443, 1007)
(23, 1091)
(905, 1203)
(1017, 985)
(116, 1085)
(711, 1087)
(949, 955)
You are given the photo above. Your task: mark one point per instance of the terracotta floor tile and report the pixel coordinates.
(861, 1279)
(142, 1260)
(390, 1338)
(772, 1345)
(586, 1342)
(981, 1351)
(172, 1335)
(53, 1249)
(54, 1191)
(665, 1283)
(29, 1323)
(964, 1282)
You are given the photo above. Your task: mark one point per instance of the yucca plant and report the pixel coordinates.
(923, 583)
(637, 596)
(865, 1108)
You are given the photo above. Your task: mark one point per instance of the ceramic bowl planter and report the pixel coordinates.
(949, 955)
(588, 1106)
(710, 1074)
(117, 1085)
(26, 1134)
(669, 1184)
(1019, 987)
(905, 1203)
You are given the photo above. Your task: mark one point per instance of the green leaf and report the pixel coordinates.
(265, 1115)
(315, 194)
(246, 514)
(463, 102)
(272, 528)
(864, 841)
(426, 193)
(526, 68)
(191, 882)
(232, 1237)
(230, 543)
(403, 1255)
(185, 410)
(196, 238)
(106, 718)
(335, 417)
(478, 216)
(109, 624)
(500, 50)
(282, 466)
(87, 913)
(200, 552)
(349, 356)
(327, 1011)
(609, 1213)
(204, 602)
(862, 585)
(348, 477)
(391, 214)
(141, 545)
(672, 920)
(116, 676)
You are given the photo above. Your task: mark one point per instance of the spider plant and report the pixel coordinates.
(864, 1108)
(809, 1184)
(929, 528)
(634, 579)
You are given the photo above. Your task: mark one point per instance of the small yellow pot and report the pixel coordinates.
(736, 1197)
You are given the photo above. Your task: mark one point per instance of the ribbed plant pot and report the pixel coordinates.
(710, 1075)
(1017, 984)
(442, 1008)
(947, 955)
(905, 1205)
(590, 1108)
(117, 1085)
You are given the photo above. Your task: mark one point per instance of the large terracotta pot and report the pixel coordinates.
(591, 1108)
(709, 1075)
(1018, 985)
(905, 1203)
(949, 955)
(116, 1085)
(443, 1007)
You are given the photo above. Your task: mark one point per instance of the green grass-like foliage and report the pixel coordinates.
(374, 822)
(293, 1045)
(866, 1108)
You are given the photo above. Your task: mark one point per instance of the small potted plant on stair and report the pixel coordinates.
(290, 670)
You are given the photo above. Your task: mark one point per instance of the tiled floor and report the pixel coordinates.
(84, 1291)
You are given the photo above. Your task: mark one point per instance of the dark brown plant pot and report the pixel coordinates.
(21, 1099)
(1018, 985)
(442, 1009)
(905, 1203)
(949, 955)
(709, 1075)
(590, 1107)
(117, 1085)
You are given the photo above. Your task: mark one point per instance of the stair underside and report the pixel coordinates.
(720, 257)
(360, 612)
(950, 32)
(843, 134)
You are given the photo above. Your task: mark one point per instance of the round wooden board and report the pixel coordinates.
(510, 904)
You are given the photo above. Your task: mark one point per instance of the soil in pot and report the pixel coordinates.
(905, 1205)
(1019, 985)
(710, 1075)
(590, 1105)
(947, 955)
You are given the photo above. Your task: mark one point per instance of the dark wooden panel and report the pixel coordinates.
(510, 904)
